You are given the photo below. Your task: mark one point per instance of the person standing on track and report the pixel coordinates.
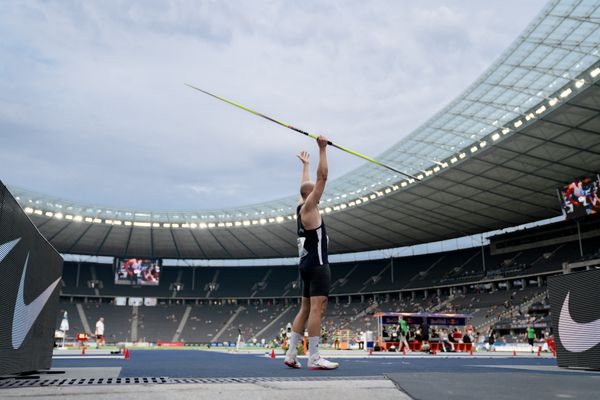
(403, 334)
(530, 336)
(99, 332)
(314, 264)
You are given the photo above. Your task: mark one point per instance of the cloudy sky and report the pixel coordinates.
(93, 106)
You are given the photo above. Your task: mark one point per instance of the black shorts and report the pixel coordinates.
(530, 341)
(315, 280)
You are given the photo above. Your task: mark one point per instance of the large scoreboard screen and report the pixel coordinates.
(581, 197)
(137, 271)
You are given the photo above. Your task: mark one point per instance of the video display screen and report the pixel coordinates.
(581, 197)
(137, 271)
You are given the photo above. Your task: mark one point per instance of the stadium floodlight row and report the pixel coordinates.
(491, 159)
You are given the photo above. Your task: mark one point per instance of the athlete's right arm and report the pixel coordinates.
(322, 171)
(305, 159)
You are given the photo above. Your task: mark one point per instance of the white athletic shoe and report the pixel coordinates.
(317, 362)
(292, 361)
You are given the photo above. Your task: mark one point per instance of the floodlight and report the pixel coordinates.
(566, 93)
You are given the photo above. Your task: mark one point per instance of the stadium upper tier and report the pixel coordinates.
(490, 159)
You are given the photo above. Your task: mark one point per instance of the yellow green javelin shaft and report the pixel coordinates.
(347, 150)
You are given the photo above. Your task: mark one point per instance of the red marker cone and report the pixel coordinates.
(126, 353)
(539, 351)
(83, 350)
(514, 353)
(273, 353)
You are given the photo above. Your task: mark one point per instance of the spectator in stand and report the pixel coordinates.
(394, 336)
(451, 339)
(446, 344)
(457, 335)
(467, 338)
(411, 334)
(434, 338)
(469, 329)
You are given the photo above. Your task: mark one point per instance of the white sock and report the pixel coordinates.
(313, 346)
(295, 339)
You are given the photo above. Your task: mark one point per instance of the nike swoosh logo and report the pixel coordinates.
(7, 248)
(576, 337)
(25, 315)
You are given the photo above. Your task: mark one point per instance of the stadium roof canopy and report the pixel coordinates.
(492, 158)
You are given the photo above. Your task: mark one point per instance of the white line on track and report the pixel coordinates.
(80, 357)
(413, 357)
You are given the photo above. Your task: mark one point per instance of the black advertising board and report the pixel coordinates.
(30, 275)
(575, 300)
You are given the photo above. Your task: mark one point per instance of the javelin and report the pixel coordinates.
(305, 133)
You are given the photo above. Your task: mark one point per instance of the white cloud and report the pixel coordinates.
(92, 101)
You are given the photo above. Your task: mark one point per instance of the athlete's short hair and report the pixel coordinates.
(306, 188)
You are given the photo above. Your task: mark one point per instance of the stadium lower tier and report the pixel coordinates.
(262, 321)
(217, 304)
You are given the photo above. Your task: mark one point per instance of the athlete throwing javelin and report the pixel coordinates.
(314, 265)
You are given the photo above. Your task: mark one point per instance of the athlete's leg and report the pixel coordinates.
(318, 305)
(297, 334)
(302, 316)
(405, 343)
(319, 290)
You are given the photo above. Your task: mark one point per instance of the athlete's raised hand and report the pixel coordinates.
(322, 141)
(304, 157)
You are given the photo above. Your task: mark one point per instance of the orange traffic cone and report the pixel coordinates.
(273, 353)
(83, 350)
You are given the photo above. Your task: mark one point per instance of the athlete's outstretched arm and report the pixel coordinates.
(305, 158)
(322, 171)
